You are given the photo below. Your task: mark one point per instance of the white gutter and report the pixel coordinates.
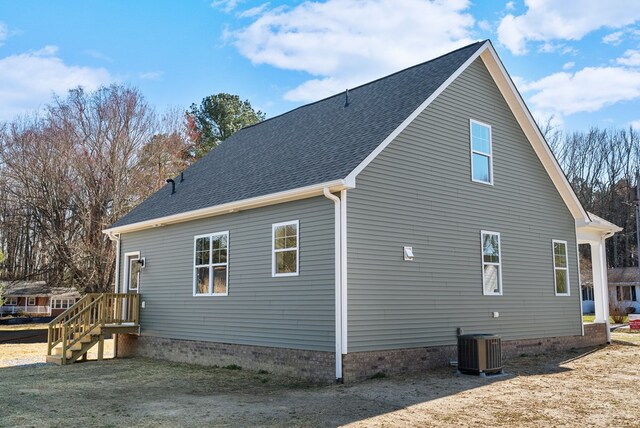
(338, 280)
(116, 237)
(245, 204)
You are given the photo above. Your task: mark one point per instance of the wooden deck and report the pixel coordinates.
(87, 323)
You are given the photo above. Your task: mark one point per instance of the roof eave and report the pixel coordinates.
(231, 207)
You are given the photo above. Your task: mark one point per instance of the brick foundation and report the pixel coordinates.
(362, 365)
(320, 366)
(315, 366)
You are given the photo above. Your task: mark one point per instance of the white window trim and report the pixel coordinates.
(566, 252)
(472, 151)
(210, 264)
(125, 276)
(62, 303)
(274, 251)
(12, 301)
(31, 299)
(482, 234)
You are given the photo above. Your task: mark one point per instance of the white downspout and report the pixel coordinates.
(338, 280)
(116, 237)
(343, 267)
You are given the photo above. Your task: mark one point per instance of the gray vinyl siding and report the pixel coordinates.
(291, 312)
(419, 192)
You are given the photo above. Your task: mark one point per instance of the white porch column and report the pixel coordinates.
(595, 231)
(600, 285)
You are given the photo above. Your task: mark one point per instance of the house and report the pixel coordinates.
(36, 298)
(624, 288)
(361, 233)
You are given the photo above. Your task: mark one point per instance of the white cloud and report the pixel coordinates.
(28, 80)
(484, 25)
(635, 124)
(254, 11)
(568, 65)
(510, 5)
(343, 43)
(587, 90)
(4, 33)
(614, 38)
(547, 20)
(631, 58)
(151, 75)
(226, 5)
(98, 55)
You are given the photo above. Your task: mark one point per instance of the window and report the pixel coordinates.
(491, 264)
(211, 264)
(31, 301)
(63, 303)
(12, 301)
(481, 153)
(587, 293)
(285, 249)
(626, 293)
(560, 268)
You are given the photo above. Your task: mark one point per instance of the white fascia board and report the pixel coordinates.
(351, 178)
(536, 139)
(245, 204)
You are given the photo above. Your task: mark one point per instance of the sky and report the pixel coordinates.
(576, 66)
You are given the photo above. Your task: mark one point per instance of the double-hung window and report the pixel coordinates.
(626, 293)
(587, 293)
(285, 258)
(481, 153)
(491, 263)
(211, 264)
(31, 301)
(12, 301)
(560, 268)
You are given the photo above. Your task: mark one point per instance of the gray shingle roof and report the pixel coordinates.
(37, 288)
(316, 143)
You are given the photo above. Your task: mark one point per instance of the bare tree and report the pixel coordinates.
(602, 166)
(69, 174)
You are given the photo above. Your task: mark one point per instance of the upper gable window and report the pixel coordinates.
(481, 153)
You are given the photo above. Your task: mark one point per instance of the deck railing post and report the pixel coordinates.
(49, 334)
(64, 343)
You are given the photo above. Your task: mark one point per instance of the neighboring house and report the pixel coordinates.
(358, 234)
(624, 288)
(36, 298)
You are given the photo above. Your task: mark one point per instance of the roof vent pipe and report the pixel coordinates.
(346, 101)
(173, 185)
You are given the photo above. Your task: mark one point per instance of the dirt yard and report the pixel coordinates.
(578, 388)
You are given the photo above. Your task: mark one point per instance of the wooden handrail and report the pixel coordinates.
(92, 311)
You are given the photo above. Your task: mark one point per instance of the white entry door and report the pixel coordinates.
(132, 273)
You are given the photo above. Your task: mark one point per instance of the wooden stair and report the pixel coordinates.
(87, 323)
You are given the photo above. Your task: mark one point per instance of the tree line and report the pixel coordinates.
(85, 160)
(602, 166)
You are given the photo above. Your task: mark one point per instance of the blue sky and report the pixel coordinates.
(580, 66)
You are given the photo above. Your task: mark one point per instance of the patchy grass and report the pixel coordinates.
(21, 327)
(146, 393)
(591, 318)
(33, 353)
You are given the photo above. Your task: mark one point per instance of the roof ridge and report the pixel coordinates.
(366, 83)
